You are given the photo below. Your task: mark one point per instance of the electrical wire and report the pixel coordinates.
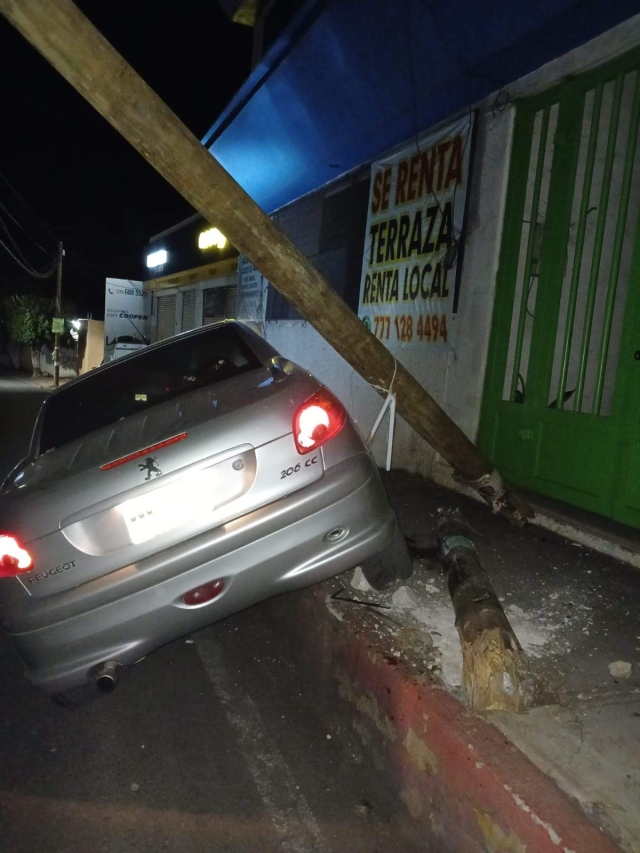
(16, 252)
(24, 230)
(28, 269)
(25, 261)
(16, 248)
(28, 207)
(75, 259)
(22, 260)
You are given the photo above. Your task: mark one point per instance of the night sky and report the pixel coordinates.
(82, 180)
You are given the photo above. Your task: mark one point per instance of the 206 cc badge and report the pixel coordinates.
(150, 465)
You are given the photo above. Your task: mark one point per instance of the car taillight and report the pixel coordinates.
(317, 420)
(13, 557)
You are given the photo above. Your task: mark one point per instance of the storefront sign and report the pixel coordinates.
(252, 295)
(127, 311)
(413, 245)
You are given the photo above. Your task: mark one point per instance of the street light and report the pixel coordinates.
(76, 326)
(210, 238)
(157, 259)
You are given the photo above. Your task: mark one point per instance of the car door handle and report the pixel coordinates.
(636, 355)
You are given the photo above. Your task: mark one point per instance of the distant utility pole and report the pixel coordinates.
(56, 346)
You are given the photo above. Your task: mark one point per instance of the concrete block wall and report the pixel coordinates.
(68, 362)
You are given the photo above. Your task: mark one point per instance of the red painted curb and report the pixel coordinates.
(465, 785)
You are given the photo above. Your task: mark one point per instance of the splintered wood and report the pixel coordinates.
(493, 663)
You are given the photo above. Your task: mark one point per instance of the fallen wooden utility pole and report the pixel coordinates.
(493, 663)
(68, 40)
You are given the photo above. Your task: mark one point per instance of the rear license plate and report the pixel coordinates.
(176, 504)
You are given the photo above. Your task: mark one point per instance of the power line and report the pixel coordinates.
(13, 242)
(17, 249)
(16, 252)
(24, 230)
(77, 259)
(22, 259)
(41, 222)
(25, 267)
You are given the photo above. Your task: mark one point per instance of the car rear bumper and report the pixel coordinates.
(125, 616)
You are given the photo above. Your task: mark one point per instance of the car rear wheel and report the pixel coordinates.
(390, 565)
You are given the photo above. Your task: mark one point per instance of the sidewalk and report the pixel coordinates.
(44, 382)
(575, 614)
(47, 383)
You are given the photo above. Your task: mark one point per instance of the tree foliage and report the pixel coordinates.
(27, 320)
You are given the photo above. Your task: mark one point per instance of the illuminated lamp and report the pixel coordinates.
(157, 259)
(210, 238)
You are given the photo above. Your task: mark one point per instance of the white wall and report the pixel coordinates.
(454, 377)
(20, 359)
(300, 342)
(68, 363)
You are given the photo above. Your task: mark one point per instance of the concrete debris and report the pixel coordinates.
(359, 582)
(405, 598)
(620, 669)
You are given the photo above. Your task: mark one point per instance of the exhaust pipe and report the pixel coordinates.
(106, 676)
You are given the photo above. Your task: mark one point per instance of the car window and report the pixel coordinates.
(145, 380)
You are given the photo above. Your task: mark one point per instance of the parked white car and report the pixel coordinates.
(120, 347)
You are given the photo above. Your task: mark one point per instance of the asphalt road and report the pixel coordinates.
(20, 401)
(213, 743)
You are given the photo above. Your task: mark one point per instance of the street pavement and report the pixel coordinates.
(20, 400)
(213, 743)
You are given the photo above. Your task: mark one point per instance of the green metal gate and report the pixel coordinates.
(561, 412)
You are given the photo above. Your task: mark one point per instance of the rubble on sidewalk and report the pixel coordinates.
(575, 614)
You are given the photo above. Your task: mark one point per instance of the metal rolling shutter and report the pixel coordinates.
(188, 310)
(166, 316)
(231, 308)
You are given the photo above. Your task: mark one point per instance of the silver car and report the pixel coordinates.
(174, 487)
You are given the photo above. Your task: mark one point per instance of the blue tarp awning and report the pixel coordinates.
(350, 79)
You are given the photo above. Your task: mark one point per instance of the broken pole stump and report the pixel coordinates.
(493, 663)
(70, 42)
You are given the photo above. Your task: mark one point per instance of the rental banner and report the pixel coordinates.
(413, 245)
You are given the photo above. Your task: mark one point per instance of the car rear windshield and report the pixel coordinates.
(144, 380)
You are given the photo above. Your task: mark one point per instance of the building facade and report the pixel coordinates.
(540, 363)
(195, 281)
